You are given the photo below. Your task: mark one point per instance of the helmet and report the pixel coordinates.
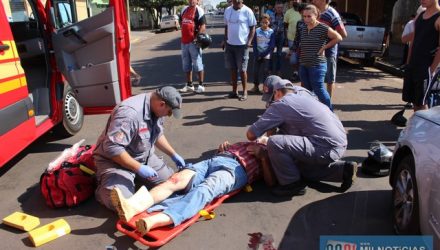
(203, 40)
(378, 162)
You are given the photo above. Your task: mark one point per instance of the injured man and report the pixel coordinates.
(230, 169)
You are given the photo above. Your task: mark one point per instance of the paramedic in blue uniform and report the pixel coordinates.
(126, 148)
(305, 138)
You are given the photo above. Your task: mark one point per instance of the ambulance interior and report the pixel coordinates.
(31, 48)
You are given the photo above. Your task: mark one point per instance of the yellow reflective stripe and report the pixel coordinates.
(12, 84)
(8, 70)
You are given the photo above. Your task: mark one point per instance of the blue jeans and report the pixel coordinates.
(191, 57)
(214, 177)
(277, 56)
(313, 79)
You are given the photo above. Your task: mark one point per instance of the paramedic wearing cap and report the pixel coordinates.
(306, 138)
(126, 148)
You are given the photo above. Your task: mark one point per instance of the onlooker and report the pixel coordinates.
(239, 31)
(425, 54)
(230, 169)
(277, 25)
(315, 39)
(291, 18)
(308, 142)
(331, 18)
(193, 22)
(264, 43)
(126, 147)
(270, 12)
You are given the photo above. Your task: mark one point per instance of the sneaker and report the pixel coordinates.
(200, 89)
(349, 174)
(292, 189)
(186, 89)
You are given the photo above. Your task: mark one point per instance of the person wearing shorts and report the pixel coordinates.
(239, 32)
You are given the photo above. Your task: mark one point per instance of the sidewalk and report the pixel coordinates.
(392, 61)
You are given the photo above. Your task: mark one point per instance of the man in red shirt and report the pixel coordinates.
(230, 169)
(193, 23)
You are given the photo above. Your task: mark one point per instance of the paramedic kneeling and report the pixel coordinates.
(126, 148)
(306, 139)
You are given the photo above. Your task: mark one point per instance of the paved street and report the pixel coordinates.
(365, 99)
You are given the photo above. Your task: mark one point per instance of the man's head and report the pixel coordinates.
(192, 2)
(294, 3)
(279, 7)
(268, 88)
(274, 88)
(281, 88)
(237, 4)
(166, 101)
(320, 4)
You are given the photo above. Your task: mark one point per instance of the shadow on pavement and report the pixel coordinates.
(362, 133)
(225, 116)
(354, 213)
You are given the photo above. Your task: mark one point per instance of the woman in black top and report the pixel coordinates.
(315, 39)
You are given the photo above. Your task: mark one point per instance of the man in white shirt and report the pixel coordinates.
(239, 31)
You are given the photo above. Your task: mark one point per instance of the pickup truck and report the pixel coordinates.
(363, 43)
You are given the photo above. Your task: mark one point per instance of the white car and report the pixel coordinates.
(169, 22)
(415, 176)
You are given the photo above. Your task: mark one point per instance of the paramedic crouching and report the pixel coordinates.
(126, 147)
(306, 140)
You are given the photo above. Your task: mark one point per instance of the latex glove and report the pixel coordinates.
(147, 172)
(180, 162)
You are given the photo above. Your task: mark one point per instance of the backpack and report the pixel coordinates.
(70, 182)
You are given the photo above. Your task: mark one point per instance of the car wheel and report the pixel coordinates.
(73, 115)
(405, 198)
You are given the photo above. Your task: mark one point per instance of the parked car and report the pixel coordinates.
(169, 23)
(363, 43)
(415, 176)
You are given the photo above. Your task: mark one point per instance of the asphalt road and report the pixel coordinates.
(365, 100)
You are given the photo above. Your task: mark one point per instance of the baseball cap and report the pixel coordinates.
(268, 87)
(172, 98)
(273, 84)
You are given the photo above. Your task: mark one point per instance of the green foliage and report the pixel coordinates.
(155, 7)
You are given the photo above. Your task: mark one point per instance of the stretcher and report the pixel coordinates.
(159, 236)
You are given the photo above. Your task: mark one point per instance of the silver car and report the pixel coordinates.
(169, 23)
(415, 176)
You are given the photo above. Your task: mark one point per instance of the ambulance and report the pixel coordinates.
(54, 68)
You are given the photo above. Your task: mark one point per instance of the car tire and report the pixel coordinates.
(405, 198)
(73, 115)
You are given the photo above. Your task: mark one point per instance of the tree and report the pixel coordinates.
(154, 7)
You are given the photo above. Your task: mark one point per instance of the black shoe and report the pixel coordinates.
(349, 174)
(292, 189)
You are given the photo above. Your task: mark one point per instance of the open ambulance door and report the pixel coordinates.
(93, 54)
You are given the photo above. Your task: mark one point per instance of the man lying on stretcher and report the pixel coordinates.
(230, 169)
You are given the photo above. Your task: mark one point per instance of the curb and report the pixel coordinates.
(389, 68)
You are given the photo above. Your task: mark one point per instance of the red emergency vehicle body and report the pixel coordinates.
(18, 125)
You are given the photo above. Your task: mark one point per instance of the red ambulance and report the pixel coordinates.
(54, 69)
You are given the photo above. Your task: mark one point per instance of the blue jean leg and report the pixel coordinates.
(191, 58)
(313, 79)
(214, 177)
